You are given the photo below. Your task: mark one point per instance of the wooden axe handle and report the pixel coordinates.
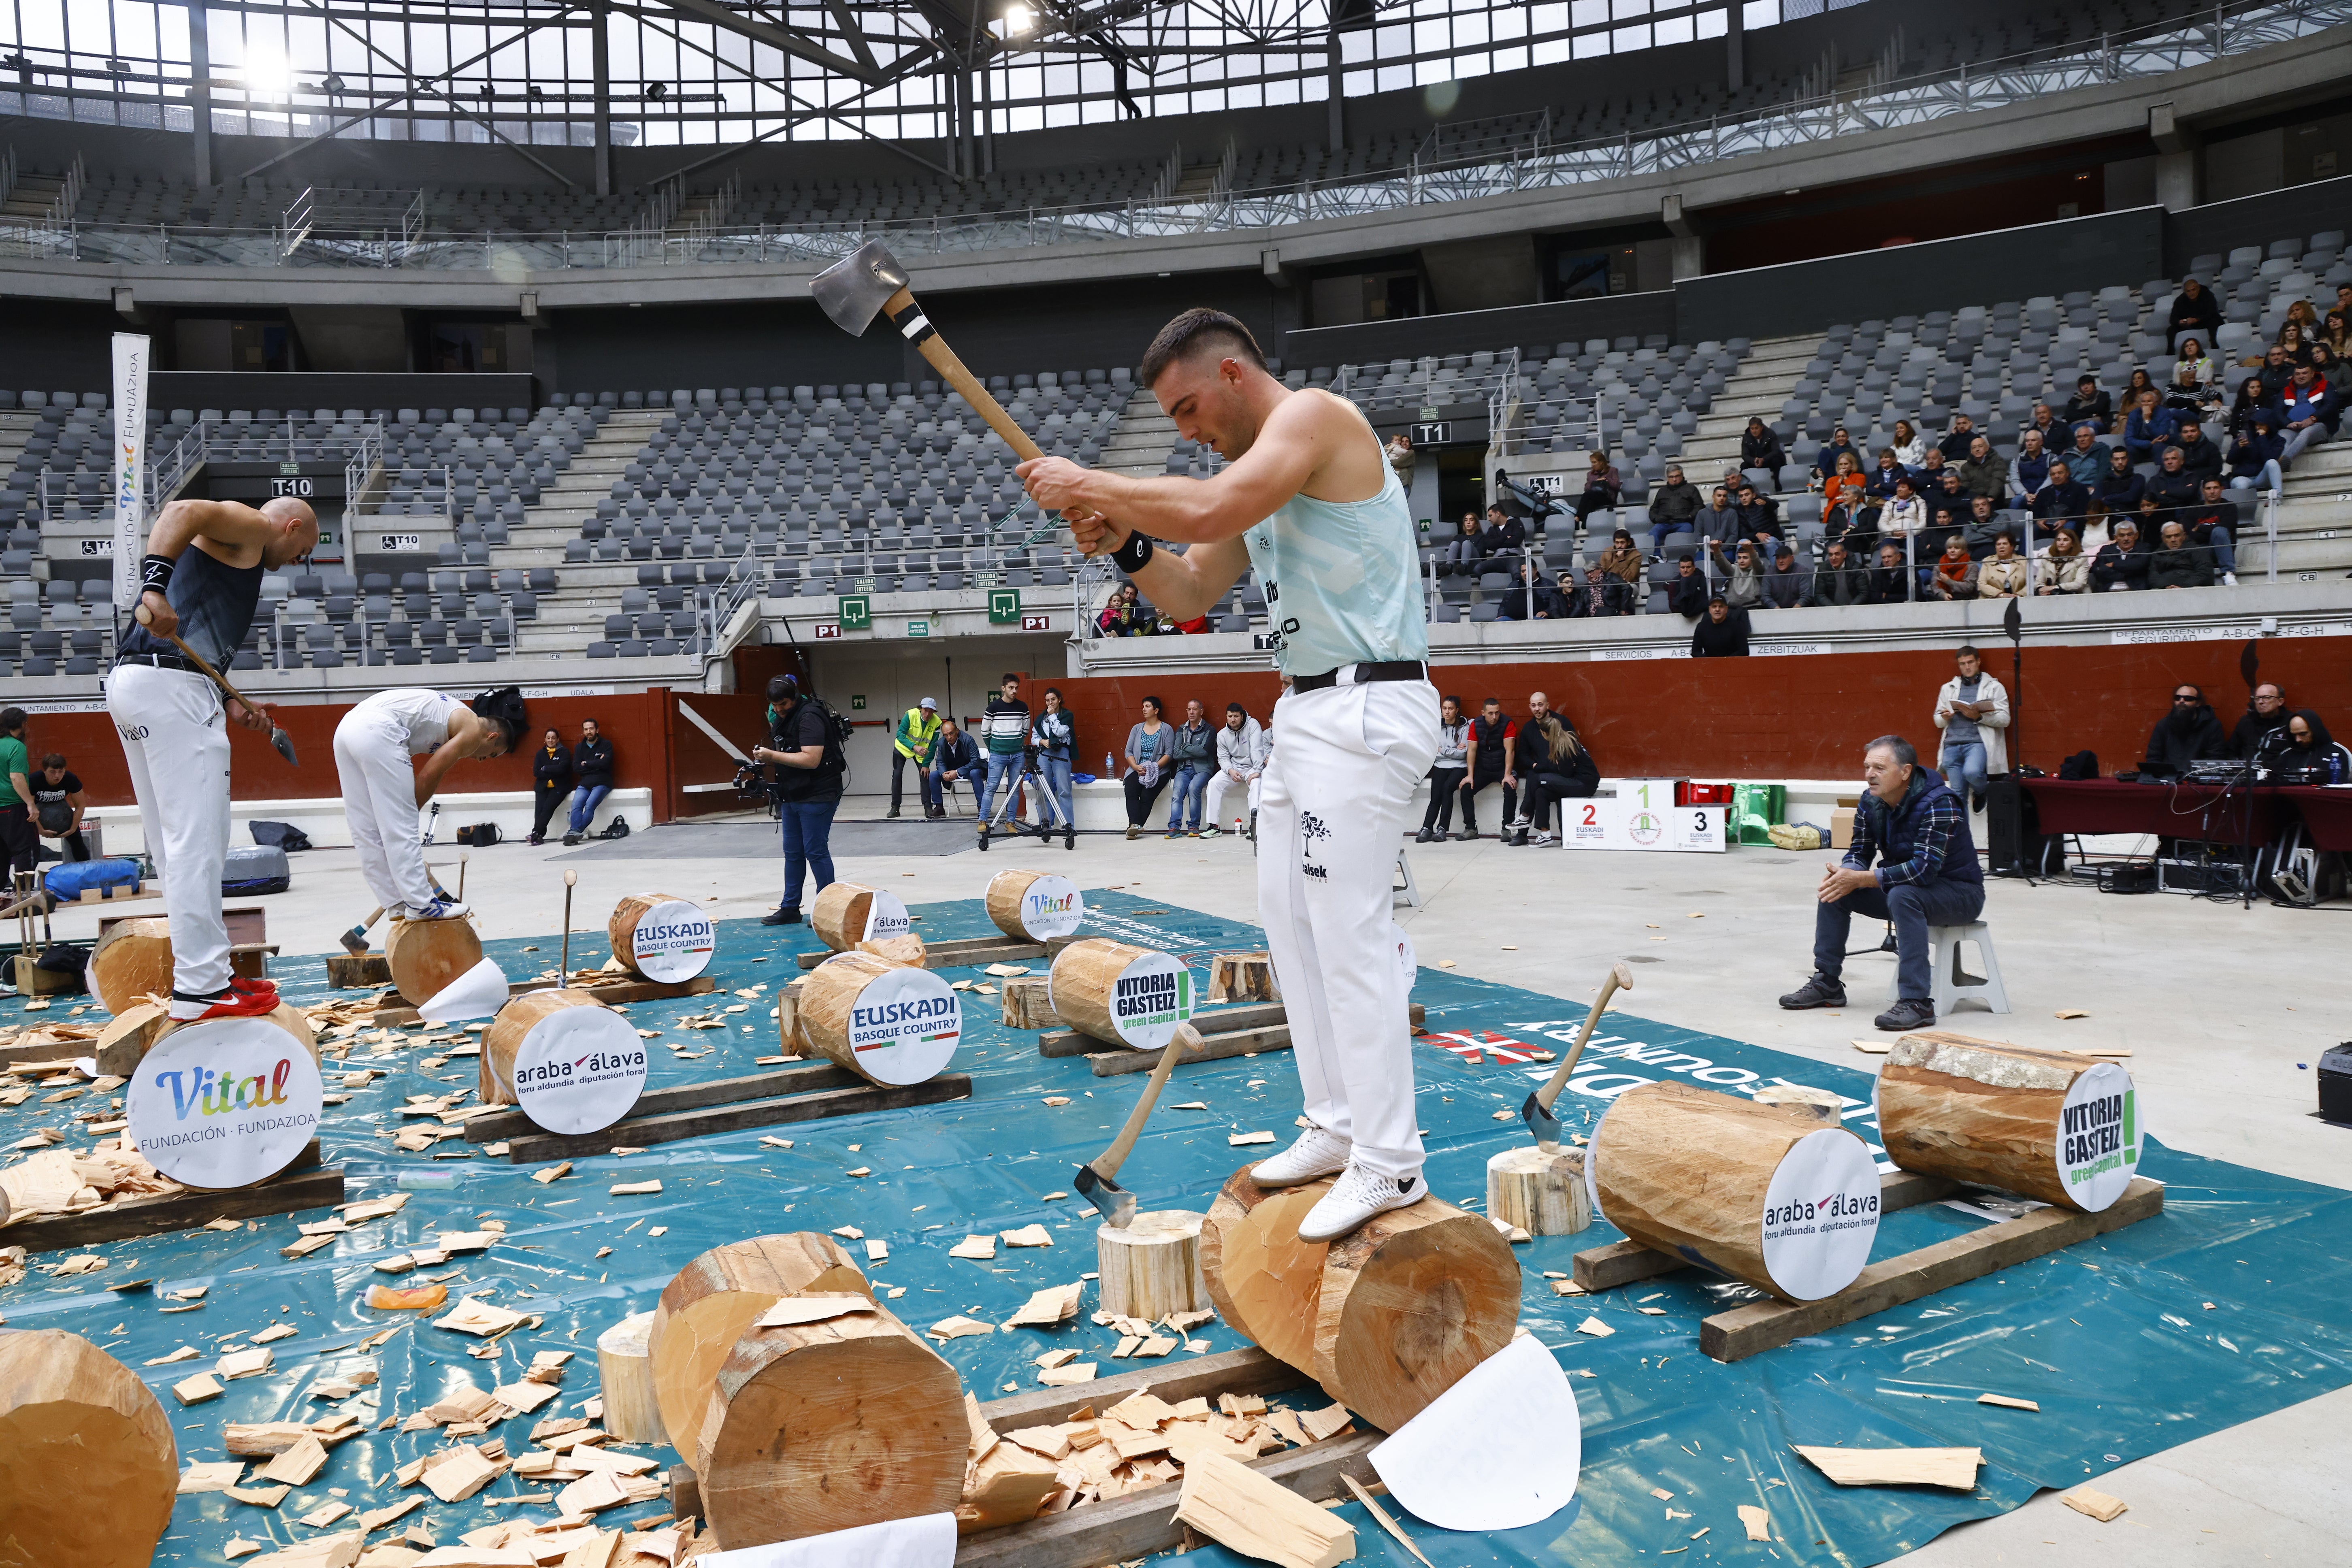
(142, 615)
(1549, 1096)
(1107, 1162)
(942, 359)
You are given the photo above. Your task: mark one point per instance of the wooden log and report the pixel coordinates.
(1121, 995)
(127, 1036)
(897, 948)
(2044, 1124)
(661, 937)
(846, 913)
(888, 1022)
(1626, 1262)
(357, 971)
(827, 1426)
(789, 1033)
(1755, 1192)
(1006, 1484)
(1153, 1267)
(1029, 1003)
(856, 1099)
(624, 1374)
(1817, 1104)
(301, 1185)
(1541, 1192)
(1243, 978)
(1385, 1319)
(88, 1466)
(425, 956)
(1224, 1032)
(1238, 1507)
(283, 1015)
(704, 1310)
(132, 961)
(1034, 906)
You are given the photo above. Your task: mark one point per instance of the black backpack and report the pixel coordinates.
(837, 731)
(2080, 765)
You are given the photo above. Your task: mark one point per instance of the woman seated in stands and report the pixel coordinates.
(2093, 532)
(1602, 486)
(2120, 564)
(2140, 382)
(2336, 334)
(2149, 425)
(1760, 448)
(1839, 445)
(2004, 576)
(2253, 396)
(1882, 478)
(1954, 575)
(1856, 521)
(1903, 513)
(2089, 406)
(1844, 474)
(2066, 569)
(1458, 557)
(1911, 448)
(2305, 317)
(1125, 615)
(2191, 392)
(2255, 451)
(2292, 345)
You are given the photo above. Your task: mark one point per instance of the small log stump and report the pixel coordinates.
(130, 963)
(661, 937)
(1541, 1194)
(625, 1373)
(283, 1015)
(357, 971)
(846, 913)
(88, 1466)
(1243, 978)
(426, 956)
(574, 1064)
(704, 1310)
(1385, 1319)
(897, 948)
(1121, 995)
(1029, 1003)
(789, 1033)
(888, 1022)
(1153, 1267)
(1034, 906)
(2043, 1124)
(126, 1037)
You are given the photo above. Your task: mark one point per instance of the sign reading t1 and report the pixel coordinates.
(1433, 433)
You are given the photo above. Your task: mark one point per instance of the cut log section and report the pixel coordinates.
(1235, 1506)
(284, 1016)
(1760, 1193)
(897, 948)
(1034, 906)
(704, 1310)
(827, 1425)
(1385, 1319)
(789, 1033)
(126, 1037)
(1820, 1104)
(625, 1372)
(88, 1466)
(130, 963)
(888, 1022)
(426, 956)
(661, 937)
(1537, 1192)
(1029, 1003)
(1122, 994)
(1152, 1267)
(2044, 1124)
(846, 913)
(574, 1065)
(504, 1037)
(357, 971)
(1243, 978)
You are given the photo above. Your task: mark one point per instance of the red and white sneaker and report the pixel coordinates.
(236, 1002)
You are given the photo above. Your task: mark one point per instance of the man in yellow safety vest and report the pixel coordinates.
(918, 738)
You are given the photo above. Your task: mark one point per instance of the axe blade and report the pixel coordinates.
(852, 291)
(1542, 1122)
(1113, 1202)
(354, 942)
(285, 744)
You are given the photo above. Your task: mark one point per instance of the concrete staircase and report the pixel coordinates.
(1765, 379)
(2315, 521)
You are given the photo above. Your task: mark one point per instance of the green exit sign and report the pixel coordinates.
(856, 612)
(918, 629)
(1004, 606)
(858, 703)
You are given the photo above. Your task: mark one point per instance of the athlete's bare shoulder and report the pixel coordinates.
(1347, 461)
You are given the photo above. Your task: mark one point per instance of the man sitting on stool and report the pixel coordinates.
(1927, 875)
(953, 757)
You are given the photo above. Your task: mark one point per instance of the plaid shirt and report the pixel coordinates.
(1939, 819)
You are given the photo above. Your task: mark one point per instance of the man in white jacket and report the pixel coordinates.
(1240, 758)
(1972, 710)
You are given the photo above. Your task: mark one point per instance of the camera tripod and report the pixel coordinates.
(1028, 776)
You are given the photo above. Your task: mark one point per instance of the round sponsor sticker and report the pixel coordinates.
(1406, 963)
(2098, 1137)
(1151, 997)
(224, 1103)
(886, 917)
(1821, 1215)
(673, 942)
(579, 1069)
(1644, 828)
(1052, 906)
(905, 1025)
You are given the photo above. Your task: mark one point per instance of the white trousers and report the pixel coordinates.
(380, 803)
(1332, 811)
(1212, 811)
(176, 736)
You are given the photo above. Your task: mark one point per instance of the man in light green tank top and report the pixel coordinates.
(1307, 497)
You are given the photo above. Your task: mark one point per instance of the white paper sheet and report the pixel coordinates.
(926, 1542)
(478, 992)
(1499, 1449)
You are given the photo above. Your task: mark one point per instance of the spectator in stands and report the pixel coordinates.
(2188, 733)
(1723, 634)
(2254, 455)
(58, 807)
(1504, 534)
(2093, 531)
(2177, 564)
(1982, 473)
(1784, 585)
(1929, 875)
(551, 781)
(1493, 741)
(1446, 773)
(1972, 710)
(2265, 717)
(1889, 580)
(2336, 332)
(1839, 445)
(1844, 476)
(1840, 581)
(914, 740)
(953, 757)
(1984, 526)
(1555, 766)
(2200, 456)
(1759, 516)
(1854, 519)
(1194, 759)
(1743, 587)
(2029, 472)
(809, 769)
(1125, 615)
(1400, 457)
(1954, 574)
(1602, 486)
(2087, 456)
(1686, 595)
(2041, 421)
(1717, 522)
(2292, 343)
(2066, 569)
(2150, 426)
(2252, 398)
(2191, 391)
(2310, 749)
(2173, 489)
(1948, 511)
(2326, 362)
(2194, 309)
(2139, 382)
(1672, 507)
(1056, 740)
(1150, 762)
(1459, 556)
(1904, 514)
(1242, 749)
(1759, 448)
(1929, 474)
(2121, 486)
(1882, 478)
(2212, 527)
(1910, 448)
(2089, 406)
(2276, 371)
(591, 773)
(1960, 442)
(1622, 561)
(1530, 597)
(2311, 410)
(2004, 576)
(1003, 736)
(2061, 501)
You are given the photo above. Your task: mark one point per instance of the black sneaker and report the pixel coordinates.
(1518, 840)
(1424, 836)
(572, 839)
(785, 915)
(891, 814)
(1911, 1013)
(1820, 991)
(1466, 835)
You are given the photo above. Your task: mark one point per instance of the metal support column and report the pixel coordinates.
(1735, 50)
(1335, 105)
(601, 56)
(199, 94)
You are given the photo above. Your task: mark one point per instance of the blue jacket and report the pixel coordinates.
(1923, 837)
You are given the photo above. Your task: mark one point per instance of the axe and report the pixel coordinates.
(1113, 1202)
(278, 737)
(1536, 1112)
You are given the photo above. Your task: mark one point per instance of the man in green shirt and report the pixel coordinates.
(918, 737)
(18, 841)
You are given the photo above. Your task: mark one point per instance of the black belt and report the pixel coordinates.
(1358, 674)
(160, 660)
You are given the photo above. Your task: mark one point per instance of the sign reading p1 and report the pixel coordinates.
(673, 942)
(225, 1103)
(856, 612)
(579, 1069)
(1004, 606)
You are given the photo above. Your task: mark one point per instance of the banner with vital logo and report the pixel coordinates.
(225, 1103)
(1052, 906)
(130, 364)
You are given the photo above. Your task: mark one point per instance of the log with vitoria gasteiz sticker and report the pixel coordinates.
(2051, 1125)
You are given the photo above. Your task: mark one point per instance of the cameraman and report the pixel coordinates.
(807, 789)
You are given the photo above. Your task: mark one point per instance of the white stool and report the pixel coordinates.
(1948, 983)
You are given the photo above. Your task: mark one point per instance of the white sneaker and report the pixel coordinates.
(1543, 840)
(1317, 1153)
(1356, 1198)
(2230, 579)
(441, 910)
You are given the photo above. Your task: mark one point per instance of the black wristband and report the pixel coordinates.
(155, 572)
(1129, 557)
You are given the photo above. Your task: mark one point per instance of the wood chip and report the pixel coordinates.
(551, 1174)
(1759, 1522)
(960, 1328)
(979, 1248)
(789, 1310)
(297, 1465)
(1028, 1236)
(633, 1189)
(259, 1497)
(245, 1364)
(211, 1476)
(1046, 1308)
(1596, 1327)
(1876, 1048)
(1066, 1374)
(478, 1317)
(2069, 1012)
(197, 1389)
(1954, 1468)
(1257, 1516)
(2004, 1399)
(1242, 1140)
(2097, 1504)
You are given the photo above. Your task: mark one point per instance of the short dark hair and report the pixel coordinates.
(12, 719)
(1008, 674)
(1905, 751)
(1236, 708)
(1966, 650)
(54, 760)
(1490, 703)
(1155, 703)
(781, 687)
(1449, 696)
(1196, 329)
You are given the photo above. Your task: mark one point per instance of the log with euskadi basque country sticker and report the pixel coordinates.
(2051, 1125)
(890, 1023)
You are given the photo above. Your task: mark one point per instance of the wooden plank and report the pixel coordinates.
(618, 991)
(1248, 1370)
(1213, 1023)
(960, 952)
(686, 1097)
(49, 1051)
(640, 1133)
(302, 1185)
(1626, 1262)
(1762, 1325)
(1213, 1047)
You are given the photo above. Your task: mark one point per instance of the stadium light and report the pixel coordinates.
(1018, 19)
(268, 74)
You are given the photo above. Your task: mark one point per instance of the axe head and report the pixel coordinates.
(355, 941)
(852, 291)
(1542, 1122)
(1113, 1202)
(285, 744)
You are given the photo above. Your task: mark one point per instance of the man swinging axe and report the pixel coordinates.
(383, 790)
(200, 583)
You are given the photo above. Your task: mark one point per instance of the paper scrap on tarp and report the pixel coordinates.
(1498, 1450)
(478, 992)
(926, 1542)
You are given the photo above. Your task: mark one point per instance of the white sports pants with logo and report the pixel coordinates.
(380, 803)
(176, 738)
(1219, 784)
(1332, 812)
